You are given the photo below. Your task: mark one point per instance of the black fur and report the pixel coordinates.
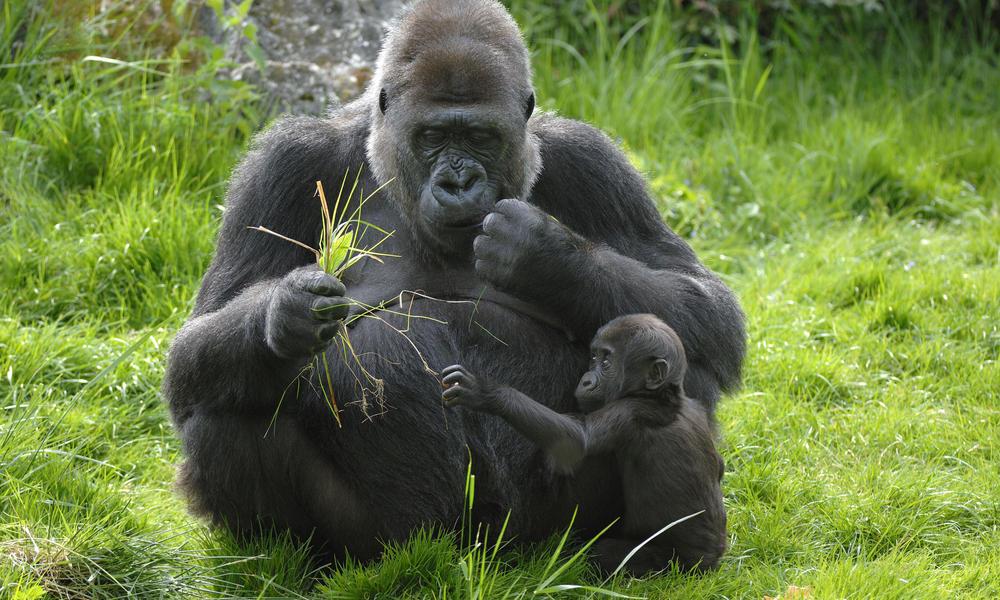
(661, 440)
(582, 244)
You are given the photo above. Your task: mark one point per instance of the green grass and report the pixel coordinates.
(849, 192)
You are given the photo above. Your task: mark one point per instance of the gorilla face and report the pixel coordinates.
(465, 166)
(633, 355)
(614, 372)
(449, 126)
(598, 385)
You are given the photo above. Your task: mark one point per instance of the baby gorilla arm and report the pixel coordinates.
(567, 439)
(563, 437)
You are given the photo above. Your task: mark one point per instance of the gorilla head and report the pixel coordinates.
(450, 102)
(636, 356)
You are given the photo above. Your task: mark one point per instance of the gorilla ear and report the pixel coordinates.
(383, 100)
(656, 376)
(529, 106)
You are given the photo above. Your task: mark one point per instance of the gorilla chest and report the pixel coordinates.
(515, 349)
(493, 339)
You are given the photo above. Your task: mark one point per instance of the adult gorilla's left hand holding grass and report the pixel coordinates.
(304, 313)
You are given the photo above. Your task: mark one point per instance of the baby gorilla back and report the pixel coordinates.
(670, 474)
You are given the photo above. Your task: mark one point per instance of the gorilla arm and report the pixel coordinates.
(563, 437)
(566, 439)
(252, 328)
(591, 246)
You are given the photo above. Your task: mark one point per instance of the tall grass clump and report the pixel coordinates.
(756, 137)
(113, 162)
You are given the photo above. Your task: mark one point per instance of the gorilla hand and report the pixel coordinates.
(522, 245)
(306, 310)
(462, 388)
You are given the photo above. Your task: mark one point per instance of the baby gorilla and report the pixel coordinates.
(634, 407)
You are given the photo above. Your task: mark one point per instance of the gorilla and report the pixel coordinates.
(636, 409)
(517, 234)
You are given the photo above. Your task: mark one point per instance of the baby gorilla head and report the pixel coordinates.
(634, 355)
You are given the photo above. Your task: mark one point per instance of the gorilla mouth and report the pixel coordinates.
(465, 223)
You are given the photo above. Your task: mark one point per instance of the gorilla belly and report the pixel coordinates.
(404, 454)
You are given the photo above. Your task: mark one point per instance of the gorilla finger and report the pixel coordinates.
(452, 369)
(495, 224)
(508, 207)
(486, 269)
(453, 378)
(301, 275)
(485, 246)
(521, 214)
(452, 394)
(333, 308)
(493, 269)
(324, 284)
(327, 332)
(523, 217)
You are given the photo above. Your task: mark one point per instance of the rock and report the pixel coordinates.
(318, 53)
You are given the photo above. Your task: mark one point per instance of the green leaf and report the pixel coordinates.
(217, 6)
(761, 82)
(333, 257)
(257, 54)
(243, 8)
(250, 31)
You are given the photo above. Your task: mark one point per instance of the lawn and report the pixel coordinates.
(841, 174)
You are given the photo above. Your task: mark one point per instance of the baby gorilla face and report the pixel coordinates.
(591, 392)
(614, 372)
(631, 355)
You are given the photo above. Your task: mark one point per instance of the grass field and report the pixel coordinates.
(849, 191)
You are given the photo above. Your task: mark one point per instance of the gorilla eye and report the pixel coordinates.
(432, 137)
(482, 137)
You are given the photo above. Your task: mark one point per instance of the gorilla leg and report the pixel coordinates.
(252, 475)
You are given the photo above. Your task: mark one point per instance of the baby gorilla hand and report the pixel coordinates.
(306, 310)
(462, 388)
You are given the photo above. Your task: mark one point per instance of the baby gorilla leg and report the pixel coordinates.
(608, 553)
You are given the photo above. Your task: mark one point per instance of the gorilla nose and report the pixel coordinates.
(459, 184)
(455, 181)
(587, 382)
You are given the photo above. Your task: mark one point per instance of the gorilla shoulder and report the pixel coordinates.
(587, 182)
(269, 188)
(290, 152)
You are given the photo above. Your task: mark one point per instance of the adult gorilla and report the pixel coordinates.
(537, 221)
